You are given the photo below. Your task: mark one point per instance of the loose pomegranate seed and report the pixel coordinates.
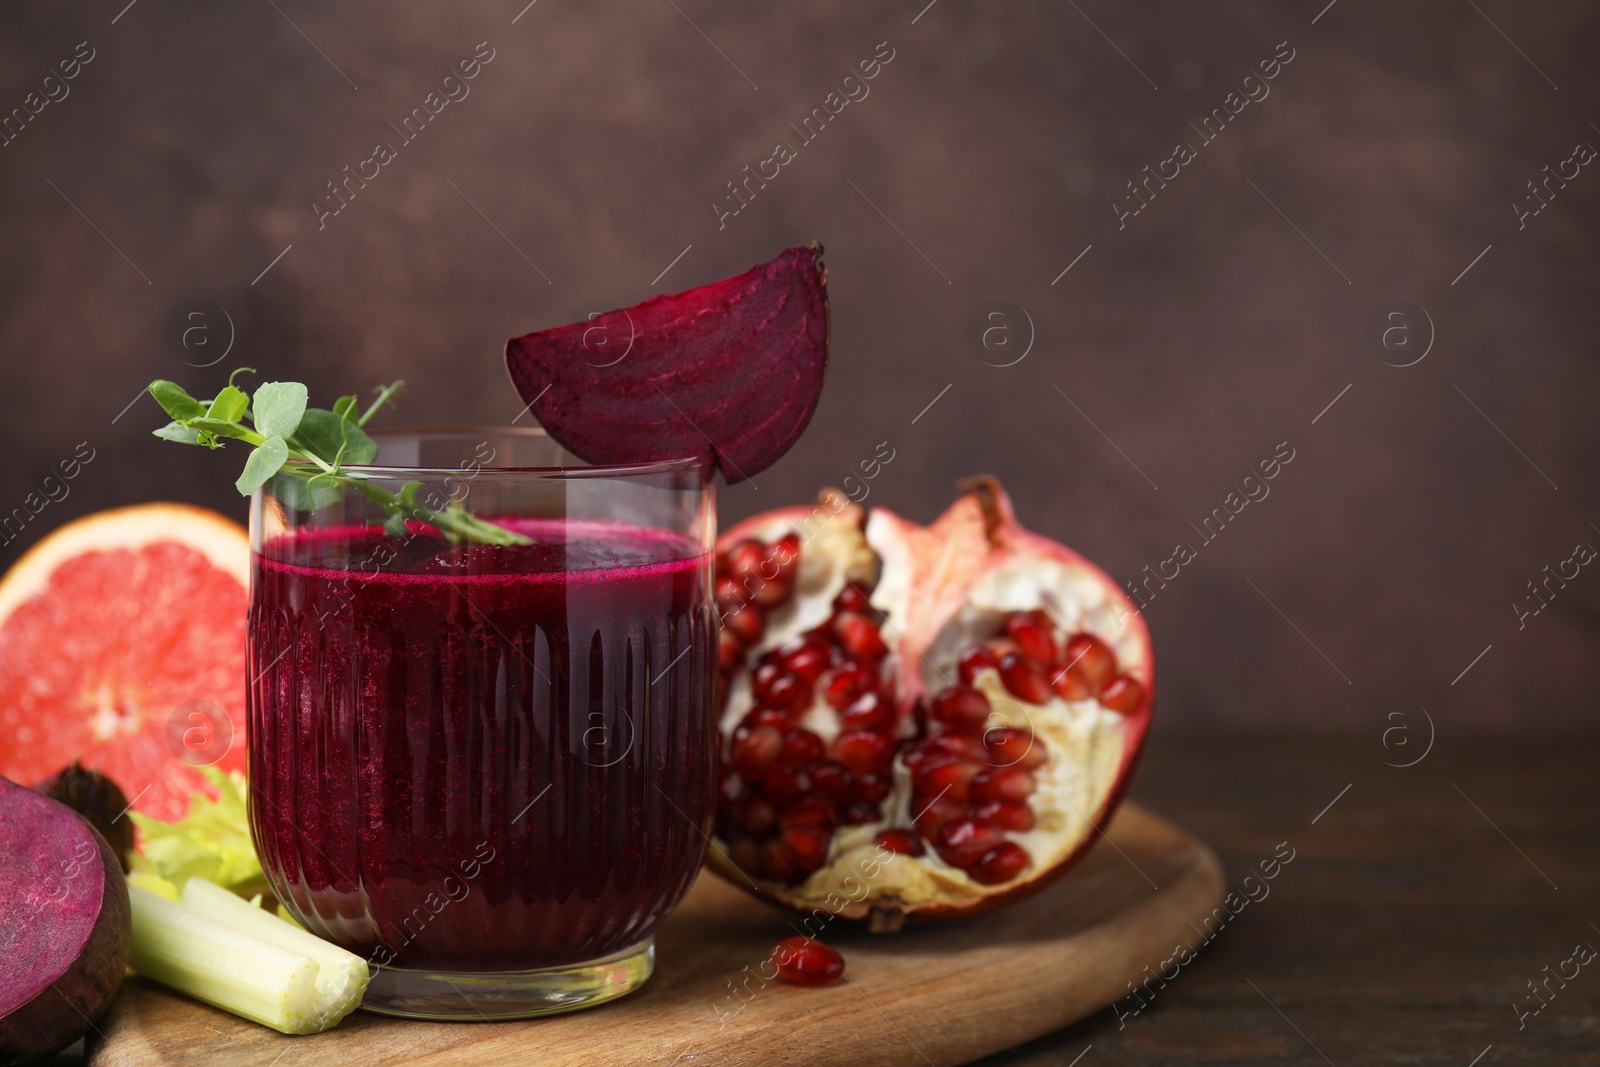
(1094, 658)
(859, 636)
(746, 624)
(964, 841)
(758, 818)
(975, 659)
(807, 961)
(1002, 783)
(852, 598)
(844, 685)
(1034, 634)
(813, 810)
(1123, 694)
(947, 776)
(808, 846)
(783, 785)
(806, 658)
(1006, 814)
(779, 863)
(864, 752)
(801, 748)
(746, 854)
(961, 708)
(1010, 747)
(730, 652)
(869, 789)
(860, 814)
(1069, 682)
(832, 781)
(785, 555)
(755, 751)
(765, 716)
(1024, 679)
(872, 712)
(902, 841)
(1000, 864)
(930, 814)
(745, 559)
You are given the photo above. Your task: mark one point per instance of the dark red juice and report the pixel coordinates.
(481, 758)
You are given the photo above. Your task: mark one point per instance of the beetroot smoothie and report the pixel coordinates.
(481, 758)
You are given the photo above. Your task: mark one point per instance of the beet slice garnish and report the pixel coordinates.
(731, 370)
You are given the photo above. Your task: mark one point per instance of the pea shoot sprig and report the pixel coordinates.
(311, 447)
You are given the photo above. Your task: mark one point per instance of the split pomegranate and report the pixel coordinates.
(918, 722)
(807, 961)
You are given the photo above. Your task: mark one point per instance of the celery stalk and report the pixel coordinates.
(237, 969)
(341, 975)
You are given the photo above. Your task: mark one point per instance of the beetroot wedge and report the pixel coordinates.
(731, 370)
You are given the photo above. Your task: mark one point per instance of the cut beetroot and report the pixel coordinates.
(732, 370)
(64, 925)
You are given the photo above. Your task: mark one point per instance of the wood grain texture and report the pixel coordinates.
(940, 994)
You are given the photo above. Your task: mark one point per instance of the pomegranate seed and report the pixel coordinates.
(1069, 682)
(812, 810)
(864, 752)
(746, 855)
(851, 598)
(767, 673)
(902, 841)
(872, 712)
(1010, 747)
(807, 961)
(975, 659)
(948, 776)
(746, 624)
(758, 818)
(1000, 864)
(808, 845)
(779, 863)
(784, 785)
(745, 559)
(1094, 658)
(730, 791)
(859, 636)
(931, 814)
(947, 745)
(729, 594)
(801, 748)
(844, 685)
(730, 652)
(1034, 634)
(870, 789)
(1002, 783)
(764, 716)
(832, 781)
(755, 751)
(1023, 678)
(807, 657)
(785, 554)
(961, 708)
(860, 814)
(1123, 694)
(1006, 814)
(963, 842)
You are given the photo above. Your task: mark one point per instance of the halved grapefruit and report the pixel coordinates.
(122, 646)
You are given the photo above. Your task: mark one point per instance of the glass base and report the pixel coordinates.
(491, 995)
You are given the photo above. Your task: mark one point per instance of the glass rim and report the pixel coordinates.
(701, 463)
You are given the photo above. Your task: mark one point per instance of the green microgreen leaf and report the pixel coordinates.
(263, 463)
(277, 408)
(229, 405)
(175, 400)
(345, 408)
(224, 429)
(177, 431)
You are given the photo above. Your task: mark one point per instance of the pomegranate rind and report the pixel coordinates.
(733, 370)
(64, 925)
(66, 655)
(939, 586)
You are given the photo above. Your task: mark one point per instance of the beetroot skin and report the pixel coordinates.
(731, 370)
(64, 925)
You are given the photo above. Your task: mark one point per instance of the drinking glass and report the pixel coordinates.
(487, 768)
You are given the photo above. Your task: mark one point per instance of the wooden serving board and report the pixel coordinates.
(943, 994)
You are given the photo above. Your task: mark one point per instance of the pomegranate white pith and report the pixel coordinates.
(950, 709)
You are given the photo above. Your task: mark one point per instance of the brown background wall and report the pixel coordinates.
(1197, 337)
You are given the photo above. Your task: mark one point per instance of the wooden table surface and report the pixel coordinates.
(1404, 931)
